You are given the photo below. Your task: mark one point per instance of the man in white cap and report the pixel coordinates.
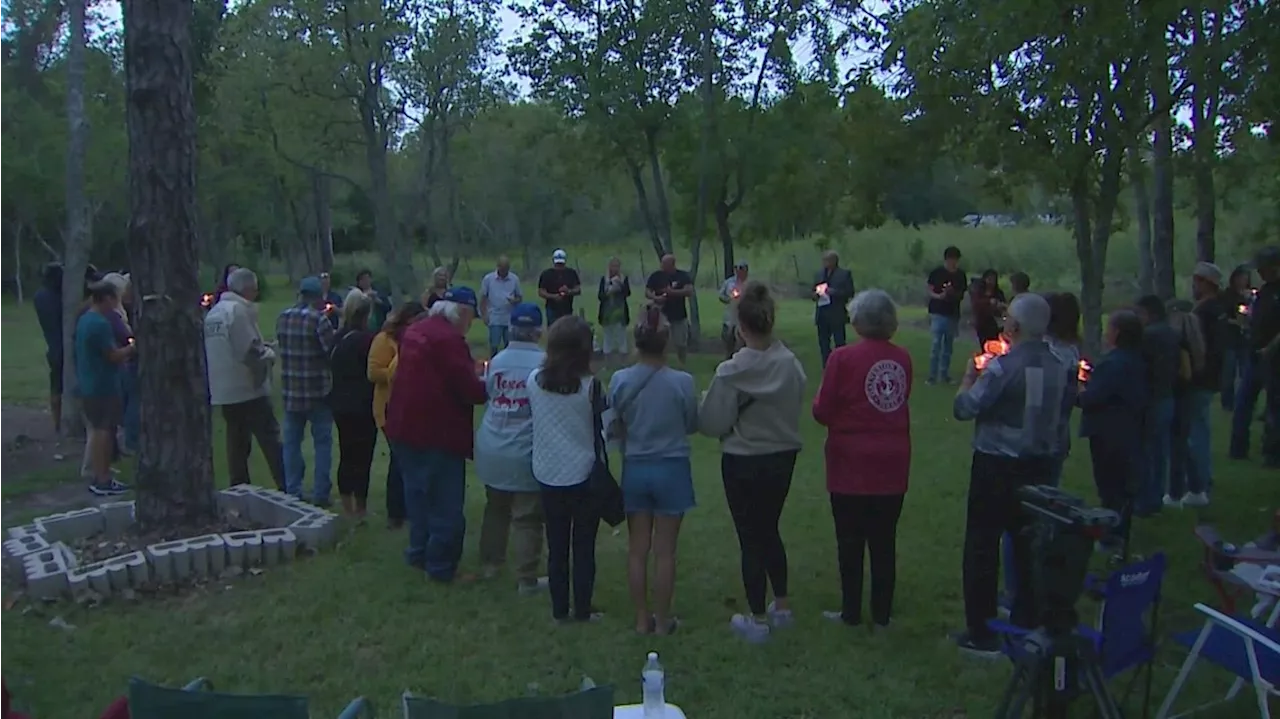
(557, 286)
(1211, 311)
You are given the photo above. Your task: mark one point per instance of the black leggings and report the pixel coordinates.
(756, 487)
(572, 521)
(867, 523)
(357, 438)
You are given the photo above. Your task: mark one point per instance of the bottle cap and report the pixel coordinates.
(653, 656)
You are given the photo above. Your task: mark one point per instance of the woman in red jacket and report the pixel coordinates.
(863, 404)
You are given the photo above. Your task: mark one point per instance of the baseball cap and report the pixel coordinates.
(740, 265)
(558, 256)
(461, 295)
(526, 314)
(309, 286)
(1209, 272)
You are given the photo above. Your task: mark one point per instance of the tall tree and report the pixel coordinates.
(175, 462)
(76, 240)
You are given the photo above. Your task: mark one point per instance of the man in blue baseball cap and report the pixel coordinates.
(305, 337)
(429, 424)
(504, 456)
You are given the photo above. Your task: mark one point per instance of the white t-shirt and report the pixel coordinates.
(564, 447)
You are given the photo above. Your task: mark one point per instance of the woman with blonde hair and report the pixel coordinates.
(439, 284)
(380, 371)
(351, 401)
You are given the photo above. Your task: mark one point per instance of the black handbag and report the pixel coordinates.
(602, 485)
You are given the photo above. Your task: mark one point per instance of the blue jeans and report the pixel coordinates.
(942, 338)
(435, 492)
(1252, 381)
(295, 466)
(497, 338)
(1231, 370)
(553, 315)
(129, 392)
(1192, 472)
(1157, 444)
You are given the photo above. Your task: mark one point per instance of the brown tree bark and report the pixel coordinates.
(76, 242)
(175, 486)
(1162, 170)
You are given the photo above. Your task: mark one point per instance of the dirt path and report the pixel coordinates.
(38, 469)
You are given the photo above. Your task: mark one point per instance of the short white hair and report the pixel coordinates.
(451, 311)
(1030, 312)
(241, 280)
(873, 314)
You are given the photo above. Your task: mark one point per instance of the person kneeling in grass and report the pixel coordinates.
(98, 358)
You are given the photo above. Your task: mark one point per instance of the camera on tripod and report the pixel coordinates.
(1053, 663)
(1062, 533)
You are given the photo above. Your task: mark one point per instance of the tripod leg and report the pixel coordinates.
(1020, 689)
(1096, 685)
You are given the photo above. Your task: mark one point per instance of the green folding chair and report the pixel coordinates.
(594, 703)
(197, 700)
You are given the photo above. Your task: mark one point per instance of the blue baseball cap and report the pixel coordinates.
(526, 314)
(310, 286)
(462, 295)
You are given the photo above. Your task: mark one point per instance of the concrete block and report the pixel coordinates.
(22, 546)
(278, 545)
(46, 578)
(76, 582)
(68, 554)
(128, 569)
(244, 549)
(94, 576)
(171, 560)
(316, 531)
(233, 498)
(24, 530)
(57, 552)
(116, 517)
(260, 508)
(73, 525)
(214, 551)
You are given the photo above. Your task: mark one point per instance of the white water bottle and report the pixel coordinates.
(652, 684)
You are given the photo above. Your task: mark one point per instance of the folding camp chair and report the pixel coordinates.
(594, 703)
(1247, 648)
(197, 701)
(1125, 635)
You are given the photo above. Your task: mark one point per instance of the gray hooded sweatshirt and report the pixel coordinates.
(753, 405)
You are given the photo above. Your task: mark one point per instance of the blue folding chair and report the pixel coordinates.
(1246, 648)
(1125, 635)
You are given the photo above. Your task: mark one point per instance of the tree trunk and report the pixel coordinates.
(175, 485)
(1142, 212)
(726, 236)
(663, 209)
(646, 210)
(321, 187)
(77, 242)
(1092, 230)
(17, 261)
(1162, 175)
(1204, 156)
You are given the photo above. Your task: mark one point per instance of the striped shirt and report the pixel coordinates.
(305, 338)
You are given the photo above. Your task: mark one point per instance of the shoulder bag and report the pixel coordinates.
(601, 482)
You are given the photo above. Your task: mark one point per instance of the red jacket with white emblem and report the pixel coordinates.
(863, 403)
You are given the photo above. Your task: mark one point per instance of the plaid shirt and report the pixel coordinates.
(305, 338)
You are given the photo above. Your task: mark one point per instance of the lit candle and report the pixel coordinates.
(736, 292)
(328, 308)
(206, 300)
(821, 289)
(130, 340)
(1243, 309)
(990, 350)
(1082, 373)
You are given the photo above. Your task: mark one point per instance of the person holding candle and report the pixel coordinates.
(1113, 406)
(332, 300)
(304, 335)
(614, 316)
(499, 292)
(730, 294)
(1236, 297)
(1263, 355)
(1212, 315)
(1016, 404)
(946, 285)
(833, 288)
(668, 288)
(558, 285)
(987, 301)
(1064, 342)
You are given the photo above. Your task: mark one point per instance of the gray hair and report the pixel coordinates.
(355, 303)
(526, 334)
(1030, 313)
(241, 280)
(873, 314)
(831, 255)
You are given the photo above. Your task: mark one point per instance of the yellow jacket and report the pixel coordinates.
(382, 368)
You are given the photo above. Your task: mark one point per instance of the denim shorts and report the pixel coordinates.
(657, 486)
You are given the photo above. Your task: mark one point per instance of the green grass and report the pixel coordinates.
(355, 621)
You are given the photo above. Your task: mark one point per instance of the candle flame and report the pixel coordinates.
(821, 289)
(206, 300)
(328, 307)
(991, 349)
(1242, 309)
(1082, 373)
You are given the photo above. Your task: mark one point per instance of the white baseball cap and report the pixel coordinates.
(558, 256)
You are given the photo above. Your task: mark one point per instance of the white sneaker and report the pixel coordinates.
(780, 617)
(1171, 502)
(749, 628)
(1196, 499)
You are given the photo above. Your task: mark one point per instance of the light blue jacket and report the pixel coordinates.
(504, 440)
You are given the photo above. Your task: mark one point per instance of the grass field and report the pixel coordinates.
(355, 621)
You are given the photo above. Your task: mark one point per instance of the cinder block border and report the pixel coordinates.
(41, 558)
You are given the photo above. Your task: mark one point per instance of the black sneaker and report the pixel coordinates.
(110, 489)
(986, 647)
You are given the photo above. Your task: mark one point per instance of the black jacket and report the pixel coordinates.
(839, 289)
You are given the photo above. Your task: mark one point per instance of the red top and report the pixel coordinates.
(863, 403)
(434, 389)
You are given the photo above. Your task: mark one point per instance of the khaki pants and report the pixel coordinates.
(517, 515)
